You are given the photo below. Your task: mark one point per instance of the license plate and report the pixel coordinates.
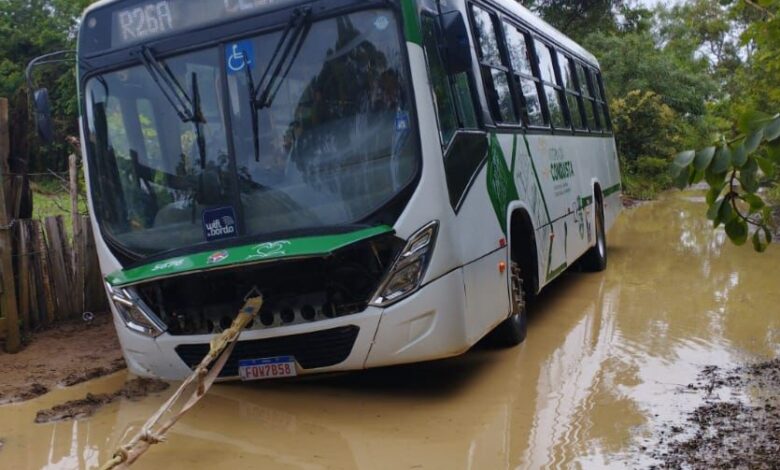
(268, 368)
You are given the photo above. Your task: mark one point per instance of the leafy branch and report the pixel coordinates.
(731, 170)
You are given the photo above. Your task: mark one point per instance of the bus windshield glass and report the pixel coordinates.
(270, 134)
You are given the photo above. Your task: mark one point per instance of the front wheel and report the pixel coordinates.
(514, 329)
(595, 260)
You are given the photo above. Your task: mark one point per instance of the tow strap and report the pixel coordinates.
(153, 432)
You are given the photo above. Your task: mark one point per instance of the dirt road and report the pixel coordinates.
(604, 368)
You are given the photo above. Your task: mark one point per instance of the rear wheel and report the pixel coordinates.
(515, 328)
(595, 260)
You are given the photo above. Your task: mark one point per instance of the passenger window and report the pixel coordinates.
(589, 102)
(519, 53)
(488, 43)
(495, 71)
(546, 67)
(554, 92)
(573, 97)
(602, 104)
(593, 101)
(521, 58)
(533, 106)
(555, 106)
(566, 75)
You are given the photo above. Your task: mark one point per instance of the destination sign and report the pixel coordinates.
(147, 20)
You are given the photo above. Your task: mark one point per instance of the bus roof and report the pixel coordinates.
(509, 5)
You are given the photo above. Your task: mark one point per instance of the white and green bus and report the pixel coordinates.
(397, 177)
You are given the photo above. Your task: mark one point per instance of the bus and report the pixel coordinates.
(398, 178)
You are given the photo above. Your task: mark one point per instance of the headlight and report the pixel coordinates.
(135, 313)
(408, 271)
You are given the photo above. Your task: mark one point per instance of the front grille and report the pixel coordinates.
(312, 350)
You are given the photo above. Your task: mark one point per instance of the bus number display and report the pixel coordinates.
(145, 21)
(154, 18)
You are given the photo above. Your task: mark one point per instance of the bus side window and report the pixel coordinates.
(587, 98)
(521, 60)
(572, 93)
(495, 72)
(452, 94)
(552, 91)
(603, 106)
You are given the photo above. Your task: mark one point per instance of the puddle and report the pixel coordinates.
(603, 367)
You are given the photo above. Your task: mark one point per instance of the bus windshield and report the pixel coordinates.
(184, 153)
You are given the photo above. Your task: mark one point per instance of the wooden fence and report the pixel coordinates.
(45, 274)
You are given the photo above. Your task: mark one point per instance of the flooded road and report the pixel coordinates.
(605, 360)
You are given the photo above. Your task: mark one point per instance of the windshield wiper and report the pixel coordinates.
(287, 50)
(186, 108)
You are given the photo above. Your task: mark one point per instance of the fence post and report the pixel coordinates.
(74, 202)
(8, 305)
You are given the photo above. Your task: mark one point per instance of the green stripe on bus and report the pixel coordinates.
(244, 255)
(557, 272)
(411, 21)
(612, 190)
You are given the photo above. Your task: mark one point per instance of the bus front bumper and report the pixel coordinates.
(427, 326)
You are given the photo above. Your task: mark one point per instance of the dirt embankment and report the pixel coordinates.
(68, 354)
(741, 430)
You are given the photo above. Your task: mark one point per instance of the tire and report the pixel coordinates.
(514, 329)
(595, 260)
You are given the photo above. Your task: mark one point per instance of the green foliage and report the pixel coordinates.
(733, 170)
(30, 28)
(637, 61)
(647, 131)
(578, 18)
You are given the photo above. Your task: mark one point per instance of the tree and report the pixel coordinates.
(578, 18)
(30, 28)
(647, 131)
(734, 168)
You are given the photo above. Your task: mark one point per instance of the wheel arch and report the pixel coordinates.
(523, 248)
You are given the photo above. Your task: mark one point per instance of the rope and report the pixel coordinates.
(220, 350)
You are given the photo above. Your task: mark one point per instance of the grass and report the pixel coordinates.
(50, 199)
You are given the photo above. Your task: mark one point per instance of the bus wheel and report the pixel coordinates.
(595, 260)
(515, 328)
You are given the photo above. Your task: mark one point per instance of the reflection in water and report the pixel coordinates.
(604, 358)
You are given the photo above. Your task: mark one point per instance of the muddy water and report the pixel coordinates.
(602, 367)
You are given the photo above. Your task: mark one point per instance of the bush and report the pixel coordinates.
(647, 132)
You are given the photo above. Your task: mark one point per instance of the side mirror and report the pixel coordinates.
(43, 121)
(457, 50)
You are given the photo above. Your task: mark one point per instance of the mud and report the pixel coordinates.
(604, 371)
(630, 202)
(68, 354)
(84, 408)
(91, 374)
(738, 426)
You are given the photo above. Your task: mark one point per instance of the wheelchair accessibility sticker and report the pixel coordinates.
(239, 55)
